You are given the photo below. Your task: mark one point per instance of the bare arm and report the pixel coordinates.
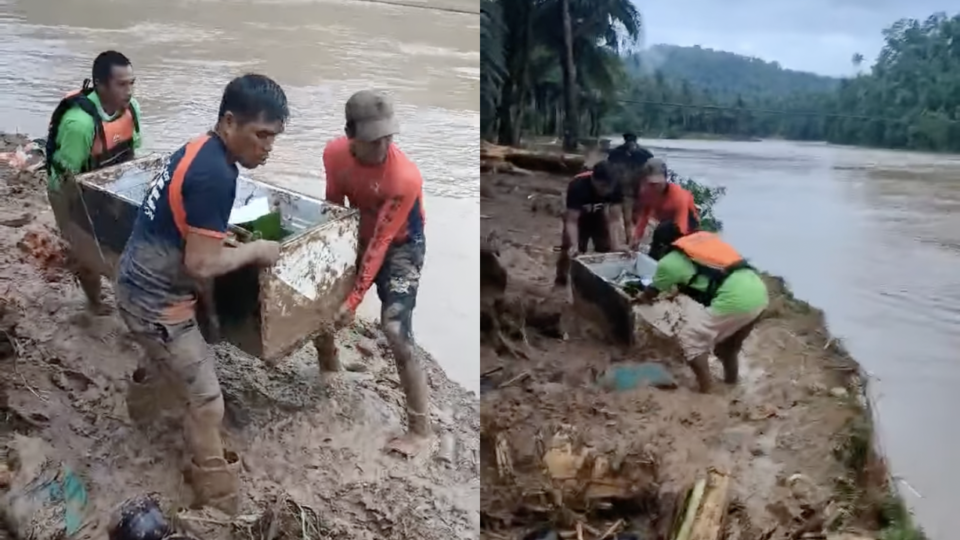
(571, 228)
(333, 192)
(648, 296)
(206, 256)
(615, 226)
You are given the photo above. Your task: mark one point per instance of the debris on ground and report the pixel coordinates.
(586, 438)
(310, 445)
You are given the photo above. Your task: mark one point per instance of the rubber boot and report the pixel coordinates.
(216, 482)
(214, 473)
(701, 369)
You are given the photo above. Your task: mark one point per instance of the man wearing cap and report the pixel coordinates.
(663, 201)
(368, 170)
(594, 214)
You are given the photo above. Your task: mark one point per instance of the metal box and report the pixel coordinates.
(595, 281)
(266, 312)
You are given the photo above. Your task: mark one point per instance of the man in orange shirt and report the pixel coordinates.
(663, 201)
(370, 172)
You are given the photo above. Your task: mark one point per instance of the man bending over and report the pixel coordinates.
(711, 272)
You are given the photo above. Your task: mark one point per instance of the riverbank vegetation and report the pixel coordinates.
(543, 75)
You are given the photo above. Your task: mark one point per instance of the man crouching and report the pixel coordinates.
(711, 272)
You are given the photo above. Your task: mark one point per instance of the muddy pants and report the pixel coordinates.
(178, 353)
(721, 334)
(398, 282)
(89, 278)
(590, 228)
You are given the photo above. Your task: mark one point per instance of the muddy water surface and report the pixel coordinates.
(320, 51)
(873, 238)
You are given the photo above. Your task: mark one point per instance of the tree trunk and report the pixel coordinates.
(505, 126)
(571, 115)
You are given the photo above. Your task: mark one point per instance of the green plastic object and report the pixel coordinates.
(268, 227)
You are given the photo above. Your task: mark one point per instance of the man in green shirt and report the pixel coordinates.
(711, 272)
(92, 128)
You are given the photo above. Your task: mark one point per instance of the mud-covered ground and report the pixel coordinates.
(788, 435)
(311, 448)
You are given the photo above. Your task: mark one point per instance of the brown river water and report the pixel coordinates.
(873, 238)
(321, 51)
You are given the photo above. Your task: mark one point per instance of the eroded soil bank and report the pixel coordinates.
(794, 437)
(310, 448)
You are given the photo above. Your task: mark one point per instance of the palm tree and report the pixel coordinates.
(857, 60)
(531, 37)
(579, 31)
(492, 67)
(571, 119)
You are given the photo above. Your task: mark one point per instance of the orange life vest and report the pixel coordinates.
(713, 259)
(113, 140)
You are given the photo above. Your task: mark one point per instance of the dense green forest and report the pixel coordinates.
(726, 75)
(537, 65)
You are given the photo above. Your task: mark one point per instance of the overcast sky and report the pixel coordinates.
(809, 35)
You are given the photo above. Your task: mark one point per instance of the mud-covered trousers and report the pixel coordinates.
(89, 278)
(179, 354)
(398, 282)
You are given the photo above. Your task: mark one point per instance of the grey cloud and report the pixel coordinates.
(811, 35)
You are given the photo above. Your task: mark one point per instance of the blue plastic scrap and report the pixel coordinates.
(67, 488)
(630, 376)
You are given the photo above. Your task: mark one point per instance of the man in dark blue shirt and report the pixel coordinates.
(627, 160)
(177, 244)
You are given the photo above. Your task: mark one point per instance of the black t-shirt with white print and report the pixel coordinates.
(582, 196)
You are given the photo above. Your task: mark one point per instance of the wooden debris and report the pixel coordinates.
(530, 160)
(504, 462)
(514, 380)
(612, 530)
(706, 508)
(586, 478)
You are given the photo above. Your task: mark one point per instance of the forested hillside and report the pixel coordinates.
(726, 75)
(534, 84)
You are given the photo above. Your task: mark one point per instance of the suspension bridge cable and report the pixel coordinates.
(771, 111)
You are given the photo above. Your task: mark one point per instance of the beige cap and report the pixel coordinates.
(372, 115)
(654, 171)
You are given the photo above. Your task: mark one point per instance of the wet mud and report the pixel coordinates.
(561, 450)
(310, 445)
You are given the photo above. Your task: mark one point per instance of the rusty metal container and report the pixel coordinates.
(266, 312)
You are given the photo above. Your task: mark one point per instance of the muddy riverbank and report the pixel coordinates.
(794, 436)
(184, 54)
(304, 442)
